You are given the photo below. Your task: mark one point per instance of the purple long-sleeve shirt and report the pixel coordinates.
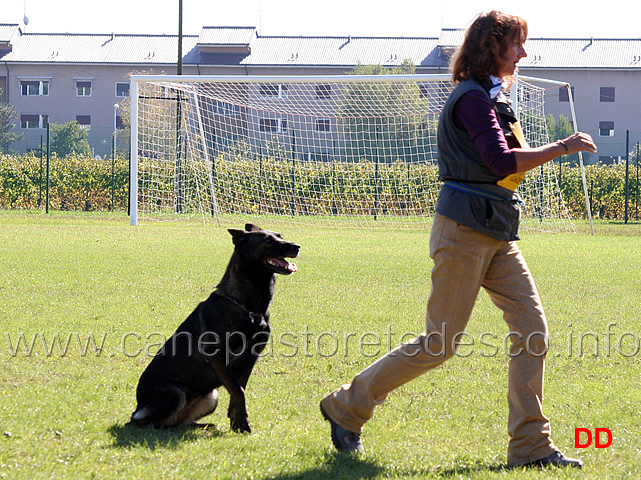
(475, 114)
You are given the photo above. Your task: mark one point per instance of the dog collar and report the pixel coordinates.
(253, 316)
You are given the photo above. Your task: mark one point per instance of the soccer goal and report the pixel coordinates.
(333, 150)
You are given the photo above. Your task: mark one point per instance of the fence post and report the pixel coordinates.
(293, 205)
(627, 174)
(261, 188)
(376, 187)
(179, 154)
(636, 203)
(48, 162)
(42, 154)
(113, 167)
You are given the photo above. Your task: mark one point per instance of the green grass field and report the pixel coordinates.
(110, 294)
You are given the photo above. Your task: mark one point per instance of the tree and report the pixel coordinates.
(68, 139)
(7, 135)
(560, 129)
(384, 121)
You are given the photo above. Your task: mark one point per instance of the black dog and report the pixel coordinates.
(219, 343)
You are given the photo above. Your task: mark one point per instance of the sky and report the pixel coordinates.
(424, 18)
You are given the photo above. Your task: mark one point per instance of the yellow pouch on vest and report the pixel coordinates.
(513, 181)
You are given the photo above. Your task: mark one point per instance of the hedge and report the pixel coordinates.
(83, 183)
(75, 183)
(606, 190)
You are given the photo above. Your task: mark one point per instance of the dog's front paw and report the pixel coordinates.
(241, 426)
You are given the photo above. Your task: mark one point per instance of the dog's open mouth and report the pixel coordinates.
(281, 265)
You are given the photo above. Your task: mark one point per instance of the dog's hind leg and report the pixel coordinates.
(199, 408)
(162, 407)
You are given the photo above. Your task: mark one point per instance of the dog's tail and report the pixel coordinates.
(141, 416)
(160, 406)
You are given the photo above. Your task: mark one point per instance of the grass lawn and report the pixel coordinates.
(86, 300)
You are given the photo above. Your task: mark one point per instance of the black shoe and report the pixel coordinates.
(557, 459)
(343, 439)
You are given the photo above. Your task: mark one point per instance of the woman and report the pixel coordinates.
(473, 245)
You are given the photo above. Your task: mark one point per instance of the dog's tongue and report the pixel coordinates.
(281, 262)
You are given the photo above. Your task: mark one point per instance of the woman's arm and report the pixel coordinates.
(529, 158)
(475, 114)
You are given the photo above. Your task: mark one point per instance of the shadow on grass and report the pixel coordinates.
(464, 471)
(338, 465)
(354, 467)
(132, 436)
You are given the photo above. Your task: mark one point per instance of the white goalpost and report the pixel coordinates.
(347, 150)
(572, 112)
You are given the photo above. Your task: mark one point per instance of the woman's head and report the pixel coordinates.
(492, 46)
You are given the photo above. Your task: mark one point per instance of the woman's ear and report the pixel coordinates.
(496, 47)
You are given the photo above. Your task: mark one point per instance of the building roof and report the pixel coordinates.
(451, 37)
(92, 48)
(227, 35)
(243, 46)
(8, 32)
(582, 53)
(339, 51)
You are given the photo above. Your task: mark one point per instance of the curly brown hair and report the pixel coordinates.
(486, 40)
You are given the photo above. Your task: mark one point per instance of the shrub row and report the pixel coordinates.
(606, 190)
(82, 183)
(283, 187)
(75, 183)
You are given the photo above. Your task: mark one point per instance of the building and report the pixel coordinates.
(58, 78)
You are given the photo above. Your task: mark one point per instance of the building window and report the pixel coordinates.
(274, 125)
(564, 95)
(84, 121)
(435, 89)
(271, 90)
(34, 88)
(606, 129)
(607, 94)
(119, 123)
(122, 89)
(323, 91)
(225, 109)
(32, 122)
(323, 125)
(83, 88)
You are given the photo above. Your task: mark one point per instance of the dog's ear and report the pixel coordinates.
(250, 227)
(237, 235)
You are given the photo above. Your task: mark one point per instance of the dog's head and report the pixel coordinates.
(267, 250)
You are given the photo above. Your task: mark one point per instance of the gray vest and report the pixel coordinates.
(460, 161)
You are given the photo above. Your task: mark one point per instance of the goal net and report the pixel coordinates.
(334, 150)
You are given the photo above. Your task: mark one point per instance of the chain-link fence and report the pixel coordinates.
(101, 141)
(101, 182)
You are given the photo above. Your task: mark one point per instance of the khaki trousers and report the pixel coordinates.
(465, 261)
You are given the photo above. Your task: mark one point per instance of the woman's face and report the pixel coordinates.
(508, 61)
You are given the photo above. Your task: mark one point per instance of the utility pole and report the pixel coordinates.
(179, 65)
